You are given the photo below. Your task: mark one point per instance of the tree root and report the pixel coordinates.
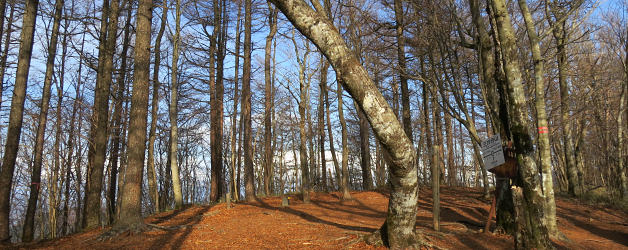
(417, 241)
(127, 230)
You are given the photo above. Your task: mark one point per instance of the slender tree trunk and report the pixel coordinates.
(249, 178)
(543, 142)
(268, 157)
(398, 230)
(435, 188)
(29, 222)
(451, 169)
(321, 121)
(338, 176)
(401, 60)
(345, 149)
(172, 111)
(537, 234)
(365, 150)
(130, 206)
(235, 154)
(152, 177)
(5, 49)
(16, 116)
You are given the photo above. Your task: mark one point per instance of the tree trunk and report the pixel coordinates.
(451, 169)
(365, 150)
(398, 230)
(621, 129)
(401, 61)
(150, 171)
(173, 111)
(16, 116)
(98, 128)
(130, 206)
(334, 158)
(235, 154)
(528, 173)
(28, 230)
(5, 50)
(216, 99)
(435, 189)
(543, 142)
(321, 121)
(118, 123)
(249, 178)
(345, 149)
(268, 91)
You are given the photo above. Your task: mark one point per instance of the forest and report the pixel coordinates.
(119, 115)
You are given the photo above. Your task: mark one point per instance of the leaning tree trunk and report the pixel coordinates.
(543, 142)
(29, 222)
(536, 234)
(398, 230)
(16, 116)
(131, 203)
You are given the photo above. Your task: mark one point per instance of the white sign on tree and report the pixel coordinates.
(492, 152)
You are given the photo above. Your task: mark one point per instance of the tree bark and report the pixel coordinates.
(235, 154)
(249, 178)
(321, 121)
(16, 116)
(29, 221)
(345, 149)
(130, 206)
(173, 111)
(401, 61)
(543, 141)
(268, 93)
(533, 199)
(398, 230)
(365, 151)
(150, 171)
(98, 127)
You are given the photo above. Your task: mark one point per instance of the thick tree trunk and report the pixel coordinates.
(398, 230)
(249, 178)
(16, 116)
(543, 142)
(130, 206)
(268, 93)
(435, 189)
(451, 169)
(29, 222)
(98, 127)
(621, 129)
(118, 133)
(150, 171)
(533, 199)
(216, 99)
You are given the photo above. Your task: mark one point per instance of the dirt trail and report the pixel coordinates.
(329, 223)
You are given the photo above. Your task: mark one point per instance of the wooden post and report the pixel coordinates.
(435, 188)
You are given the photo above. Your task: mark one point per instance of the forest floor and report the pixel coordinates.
(327, 222)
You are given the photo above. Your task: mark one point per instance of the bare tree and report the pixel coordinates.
(16, 115)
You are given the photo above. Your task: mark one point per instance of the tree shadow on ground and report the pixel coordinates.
(616, 236)
(311, 218)
(188, 225)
